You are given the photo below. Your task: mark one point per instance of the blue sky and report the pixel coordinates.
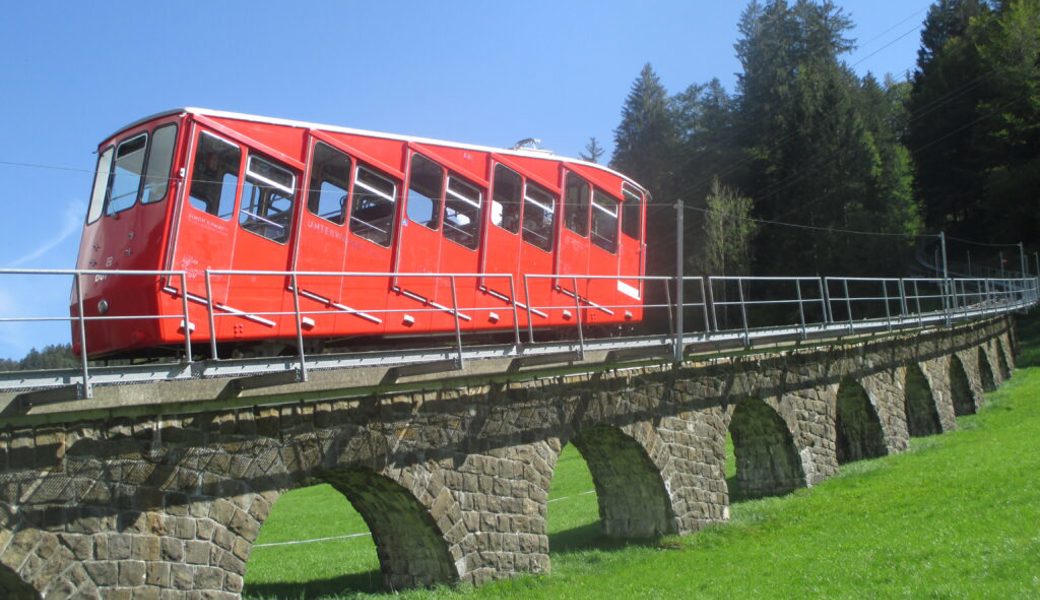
(482, 72)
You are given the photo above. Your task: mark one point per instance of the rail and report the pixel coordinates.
(724, 312)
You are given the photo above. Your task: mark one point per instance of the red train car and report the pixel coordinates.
(302, 212)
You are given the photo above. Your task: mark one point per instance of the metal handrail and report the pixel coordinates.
(915, 300)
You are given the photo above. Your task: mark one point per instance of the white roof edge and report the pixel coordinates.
(393, 136)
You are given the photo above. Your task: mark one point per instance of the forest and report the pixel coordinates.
(806, 168)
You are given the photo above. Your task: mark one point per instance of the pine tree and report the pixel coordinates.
(593, 151)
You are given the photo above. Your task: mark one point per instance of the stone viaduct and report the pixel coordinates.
(164, 500)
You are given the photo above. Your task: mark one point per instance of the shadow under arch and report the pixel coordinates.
(857, 426)
(767, 460)
(960, 390)
(411, 548)
(922, 416)
(986, 371)
(633, 500)
(13, 588)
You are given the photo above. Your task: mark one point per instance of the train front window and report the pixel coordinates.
(505, 199)
(97, 197)
(267, 199)
(631, 213)
(604, 220)
(330, 175)
(160, 157)
(126, 176)
(462, 213)
(372, 211)
(214, 178)
(539, 217)
(425, 184)
(576, 205)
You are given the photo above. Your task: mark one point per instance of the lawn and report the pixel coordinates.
(956, 516)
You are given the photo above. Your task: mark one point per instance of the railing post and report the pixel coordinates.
(888, 310)
(299, 327)
(825, 302)
(516, 312)
(668, 302)
(743, 312)
(801, 306)
(187, 320)
(679, 275)
(458, 326)
(902, 301)
(917, 301)
(848, 300)
(704, 305)
(211, 317)
(577, 316)
(530, 309)
(88, 390)
(711, 301)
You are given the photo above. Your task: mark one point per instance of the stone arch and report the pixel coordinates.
(768, 463)
(986, 375)
(410, 542)
(922, 417)
(960, 388)
(633, 500)
(857, 426)
(13, 588)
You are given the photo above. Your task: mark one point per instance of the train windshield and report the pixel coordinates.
(137, 169)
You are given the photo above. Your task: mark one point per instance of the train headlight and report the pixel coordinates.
(102, 307)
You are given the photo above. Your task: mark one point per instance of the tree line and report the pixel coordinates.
(860, 168)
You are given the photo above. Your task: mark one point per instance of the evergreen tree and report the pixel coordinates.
(593, 151)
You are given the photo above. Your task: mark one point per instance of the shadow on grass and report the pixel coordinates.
(370, 582)
(591, 537)
(1028, 329)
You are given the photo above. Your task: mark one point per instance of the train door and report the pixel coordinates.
(572, 259)
(601, 290)
(631, 252)
(419, 244)
(205, 233)
(265, 219)
(502, 245)
(346, 228)
(520, 240)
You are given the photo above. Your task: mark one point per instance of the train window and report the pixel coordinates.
(126, 175)
(330, 174)
(214, 178)
(505, 199)
(372, 212)
(462, 213)
(631, 213)
(426, 182)
(267, 199)
(160, 157)
(604, 220)
(539, 217)
(576, 205)
(97, 197)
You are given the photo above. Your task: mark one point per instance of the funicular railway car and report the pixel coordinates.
(271, 219)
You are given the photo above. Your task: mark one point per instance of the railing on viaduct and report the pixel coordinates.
(159, 489)
(704, 313)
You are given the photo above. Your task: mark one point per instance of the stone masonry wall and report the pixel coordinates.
(453, 483)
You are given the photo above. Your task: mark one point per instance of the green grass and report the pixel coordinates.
(958, 516)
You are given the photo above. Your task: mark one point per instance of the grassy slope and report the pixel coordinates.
(957, 516)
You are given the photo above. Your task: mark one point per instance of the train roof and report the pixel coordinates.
(394, 136)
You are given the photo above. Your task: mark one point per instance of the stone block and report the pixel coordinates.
(209, 578)
(158, 574)
(171, 549)
(197, 552)
(131, 573)
(182, 577)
